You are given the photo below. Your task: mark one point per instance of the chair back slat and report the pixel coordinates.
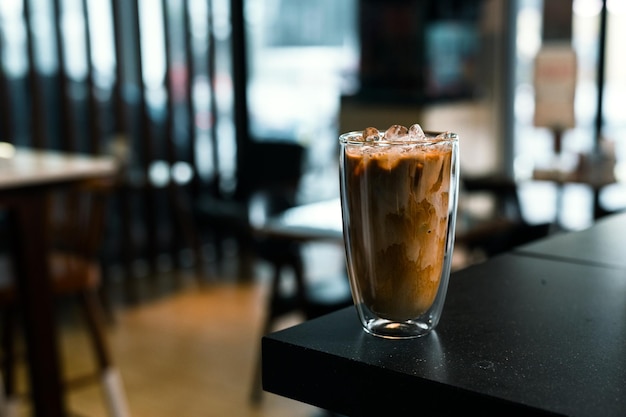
(77, 218)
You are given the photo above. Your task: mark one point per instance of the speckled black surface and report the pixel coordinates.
(519, 335)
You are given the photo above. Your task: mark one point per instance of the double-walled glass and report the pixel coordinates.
(399, 202)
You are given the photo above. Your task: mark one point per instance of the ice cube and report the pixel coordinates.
(443, 135)
(416, 132)
(396, 132)
(371, 134)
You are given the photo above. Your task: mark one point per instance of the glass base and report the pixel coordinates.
(396, 330)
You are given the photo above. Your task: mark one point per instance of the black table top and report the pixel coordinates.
(602, 244)
(519, 335)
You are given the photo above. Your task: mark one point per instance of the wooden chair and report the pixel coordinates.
(268, 180)
(268, 166)
(77, 224)
(308, 299)
(506, 228)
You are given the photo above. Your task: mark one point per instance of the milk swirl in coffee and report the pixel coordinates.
(398, 209)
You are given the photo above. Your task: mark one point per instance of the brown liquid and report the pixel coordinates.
(398, 209)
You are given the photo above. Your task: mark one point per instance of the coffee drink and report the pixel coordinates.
(396, 215)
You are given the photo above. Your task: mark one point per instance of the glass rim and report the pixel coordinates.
(431, 138)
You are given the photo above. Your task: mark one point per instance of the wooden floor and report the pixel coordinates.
(185, 348)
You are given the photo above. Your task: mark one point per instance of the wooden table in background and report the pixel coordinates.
(26, 180)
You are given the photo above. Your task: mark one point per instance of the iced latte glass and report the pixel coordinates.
(399, 197)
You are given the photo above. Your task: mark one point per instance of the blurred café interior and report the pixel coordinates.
(219, 115)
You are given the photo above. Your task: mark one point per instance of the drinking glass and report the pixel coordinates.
(399, 200)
